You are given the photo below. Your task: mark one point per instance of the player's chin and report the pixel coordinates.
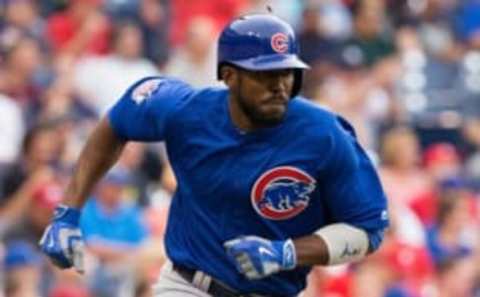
(273, 116)
(275, 111)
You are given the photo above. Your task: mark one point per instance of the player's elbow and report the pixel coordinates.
(375, 239)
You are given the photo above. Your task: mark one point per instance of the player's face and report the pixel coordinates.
(263, 95)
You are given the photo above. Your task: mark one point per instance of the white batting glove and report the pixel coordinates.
(62, 240)
(257, 257)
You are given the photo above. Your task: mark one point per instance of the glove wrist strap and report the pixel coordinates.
(289, 255)
(66, 214)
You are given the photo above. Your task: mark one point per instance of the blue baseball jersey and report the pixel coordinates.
(281, 182)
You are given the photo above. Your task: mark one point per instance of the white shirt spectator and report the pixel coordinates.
(12, 129)
(198, 74)
(102, 80)
(195, 62)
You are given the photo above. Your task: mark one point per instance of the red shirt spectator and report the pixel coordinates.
(81, 28)
(221, 11)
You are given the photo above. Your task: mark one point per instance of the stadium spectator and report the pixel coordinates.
(24, 178)
(472, 163)
(61, 102)
(194, 61)
(22, 58)
(183, 11)
(13, 130)
(369, 42)
(69, 291)
(442, 161)
(112, 226)
(452, 235)
(116, 71)
(401, 174)
(24, 15)
(45, 199)
(316, 45)
(22, 264)
(154, 18)
(456, 277)
(81, 28)
(113, 230)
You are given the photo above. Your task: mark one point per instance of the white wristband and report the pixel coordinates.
(345, 243)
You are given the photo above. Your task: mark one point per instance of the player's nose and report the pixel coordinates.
(276, 85)
(278, 82)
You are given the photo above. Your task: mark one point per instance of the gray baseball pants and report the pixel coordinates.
(172, 284)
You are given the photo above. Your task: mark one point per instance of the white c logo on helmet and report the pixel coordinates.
(279, 42)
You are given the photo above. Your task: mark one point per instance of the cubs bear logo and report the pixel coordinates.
(282, 193)
(145, 89)
(279, 42)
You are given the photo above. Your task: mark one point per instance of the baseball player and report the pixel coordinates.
(268, 183)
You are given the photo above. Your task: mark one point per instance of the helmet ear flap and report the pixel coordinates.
(297, 81)
(219, 68)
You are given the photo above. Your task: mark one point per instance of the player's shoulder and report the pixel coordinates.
(210, 94)
(303, 109)
(155, 86)
(155, 90)
(319, 118)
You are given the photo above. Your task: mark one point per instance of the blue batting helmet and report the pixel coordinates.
(260, 42)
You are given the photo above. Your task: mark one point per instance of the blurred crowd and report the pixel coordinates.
(405, 73)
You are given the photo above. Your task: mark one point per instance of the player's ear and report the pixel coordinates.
(229, 75)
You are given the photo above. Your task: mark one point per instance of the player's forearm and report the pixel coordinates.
(337, 243)
(99, 154)
(311, 250)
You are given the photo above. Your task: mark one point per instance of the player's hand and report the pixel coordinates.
(257, 257)
(62, 240)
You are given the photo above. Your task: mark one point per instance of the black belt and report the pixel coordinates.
(215, 288)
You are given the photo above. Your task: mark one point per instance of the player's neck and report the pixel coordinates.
(239, 118)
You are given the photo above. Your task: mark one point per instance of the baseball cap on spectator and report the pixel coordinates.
(9, 38)
(349, 58)
(453, 183)
(409, 261)
(20, 254)
(116, 177)
(48, 195)
(7, 2)
(94, 2)
(13, 2)
(69, 291)
(440, 153)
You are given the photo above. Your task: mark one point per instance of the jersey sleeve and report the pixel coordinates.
(353, 192)
(144, 110)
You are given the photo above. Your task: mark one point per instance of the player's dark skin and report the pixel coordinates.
(257, 100)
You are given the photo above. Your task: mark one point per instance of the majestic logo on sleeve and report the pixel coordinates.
(279, 43)
(282, 193)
